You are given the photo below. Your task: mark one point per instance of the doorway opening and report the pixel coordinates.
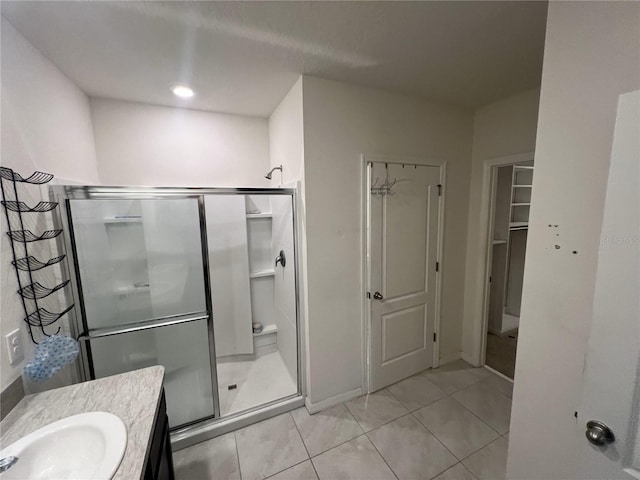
(508, 228)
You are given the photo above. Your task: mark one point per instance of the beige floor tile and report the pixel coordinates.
(269, 447)
(457, 472)
(416, 392)
(215, 458)
(490, 463)
(376, 409)
(410, 450)
(456, 427)
(356, 459)
(487, 403)
(480, 372)
(302, 471)
(326, 429)
(453, 376)
(500, 384)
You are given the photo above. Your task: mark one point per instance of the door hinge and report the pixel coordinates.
(437, 266)
(434, 336)
(368, 294)
(439, 190)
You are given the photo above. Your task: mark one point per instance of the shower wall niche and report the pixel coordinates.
(178, 277)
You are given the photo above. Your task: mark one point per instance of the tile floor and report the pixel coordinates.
(445, 424)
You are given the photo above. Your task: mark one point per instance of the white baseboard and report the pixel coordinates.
(452, 357)
(331, 401)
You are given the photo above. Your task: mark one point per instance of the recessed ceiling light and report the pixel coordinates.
(182, 91)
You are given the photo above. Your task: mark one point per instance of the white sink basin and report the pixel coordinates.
(85, 446)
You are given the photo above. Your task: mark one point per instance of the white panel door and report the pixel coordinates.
(611, 390)
(403, 237)
(229, 273)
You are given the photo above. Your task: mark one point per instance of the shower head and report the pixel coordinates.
(270, 172)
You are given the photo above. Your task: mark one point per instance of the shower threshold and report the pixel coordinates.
(208, 429)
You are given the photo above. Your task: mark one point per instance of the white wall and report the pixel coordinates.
(500, 129)
(139, 144)
(286, 141)
(286, 148)
(581, 83)
(46, 125)
(341, 122)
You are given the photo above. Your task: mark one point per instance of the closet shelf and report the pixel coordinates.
(518, 225)
(522, 186)
(24, 208)
(523, 167)
(259, 215)
(499, 242)
(30, 263)
(520, 204)
(263, 273)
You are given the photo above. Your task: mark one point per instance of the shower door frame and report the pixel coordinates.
(211, 426)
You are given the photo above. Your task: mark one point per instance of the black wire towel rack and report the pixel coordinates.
(30, 289)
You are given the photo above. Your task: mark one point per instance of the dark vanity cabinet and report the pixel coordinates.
(159, 465)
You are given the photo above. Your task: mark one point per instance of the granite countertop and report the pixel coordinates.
(132, 396)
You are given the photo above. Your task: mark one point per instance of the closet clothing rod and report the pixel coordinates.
(414, 165)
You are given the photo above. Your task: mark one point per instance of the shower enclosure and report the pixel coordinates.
(202, 281)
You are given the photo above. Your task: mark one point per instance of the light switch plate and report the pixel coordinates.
(14, 346)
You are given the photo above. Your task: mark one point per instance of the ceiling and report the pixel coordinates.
(243, 57)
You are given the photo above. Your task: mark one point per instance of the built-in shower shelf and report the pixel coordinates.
(263, 273)
(259, 215)
(268, 329)
(123, 219)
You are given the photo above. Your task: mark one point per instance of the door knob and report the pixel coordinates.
(378, 296)
(281, 259)
(599, 434)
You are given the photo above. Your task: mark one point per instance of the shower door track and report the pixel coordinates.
(208, 427)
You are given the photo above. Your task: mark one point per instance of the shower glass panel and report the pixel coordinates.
(246, 233)
(139, 259)
(142, 283)
(183, 350)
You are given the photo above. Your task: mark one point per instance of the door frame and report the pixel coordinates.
(487, 196)
(366, 260)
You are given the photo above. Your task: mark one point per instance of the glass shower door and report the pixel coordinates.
(141, 279)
